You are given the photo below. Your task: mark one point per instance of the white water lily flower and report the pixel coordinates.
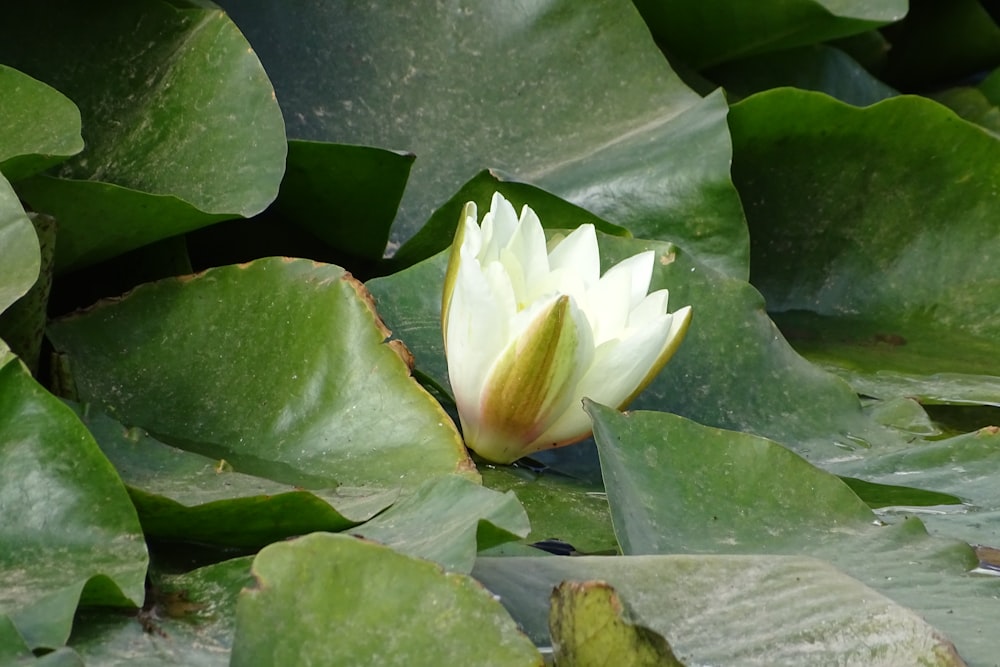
(530, 332)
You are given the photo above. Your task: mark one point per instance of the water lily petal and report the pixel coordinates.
(529, 384)
(476, 331)
(579, 254)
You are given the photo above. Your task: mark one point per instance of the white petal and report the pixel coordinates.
(498, 226)
(650, 308)
(608, 304)
(477, 329)
(639, 268)
(579, 253)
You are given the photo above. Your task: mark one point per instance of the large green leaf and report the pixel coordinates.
(732, 610)
(574, 98)
(337, 600)
(705, 33)
(279, 366)
(69, 533)
(447, 520)
(174, 103)
(878, 254)
(676, 486)
(21, 255)
(184, 496)
(41, 126)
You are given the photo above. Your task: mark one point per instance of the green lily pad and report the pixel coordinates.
(816, 67)
(279, 366)
(709, 33)
(69, 532)
(184, 496)
(732, 610)
(189, 621)
(842, 243)
(177, 111)
(560, 507)
(447, 520)
(576, 100)
(675, 486)
(41, 126)
(386, 608)
(345, 195)
(964, 465)
(22, 257)
(590, 627)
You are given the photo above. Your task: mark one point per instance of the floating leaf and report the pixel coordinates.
(386, 608)
(709, 33)
(733, 610)
(177, 112)
(22, 257)
(675, 486)
(608, 126)
(41, 126)
(184, 496)
(69, 533)
(279, 366)
(881, 256)
(447, 520)
(189, 620)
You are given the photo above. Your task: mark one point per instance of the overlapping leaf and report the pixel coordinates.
(68, 532)
(875, 240)
(675, 486)
(578, 101)
(177, 112)
(278, 366)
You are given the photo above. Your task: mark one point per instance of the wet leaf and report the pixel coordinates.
(386, 608)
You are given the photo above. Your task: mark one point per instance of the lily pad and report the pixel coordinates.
(447, 520)
(22, 257)
(41, 126)
(732, 610)
(69, 532)
(574, 99)
(279, 366)
(387, 608)
(709, 33)
(181, 495)
(675, 486)
(842, 244)
(345, 195)
(188, 622)
(175, 105)
(816, 67)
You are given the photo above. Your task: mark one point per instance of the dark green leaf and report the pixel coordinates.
(574, 99)
(177, 112)
(708, 33)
